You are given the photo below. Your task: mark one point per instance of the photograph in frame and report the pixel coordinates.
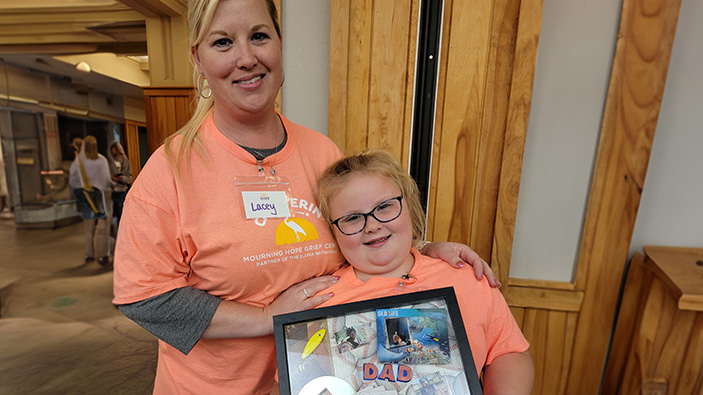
(406, 344)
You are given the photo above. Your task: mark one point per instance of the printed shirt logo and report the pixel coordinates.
(295, 230)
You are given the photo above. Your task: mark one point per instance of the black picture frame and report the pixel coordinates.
(286, 331)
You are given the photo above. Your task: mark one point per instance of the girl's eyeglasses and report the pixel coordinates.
(386, 211)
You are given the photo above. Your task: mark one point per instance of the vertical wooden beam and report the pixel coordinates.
(387, 85)
(493, 123)
(462, 104)
(339, 72)
(529, 26)
(643, 50)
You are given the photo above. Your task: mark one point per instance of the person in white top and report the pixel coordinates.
(96, 177)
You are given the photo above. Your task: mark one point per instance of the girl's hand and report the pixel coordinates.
(458, 255)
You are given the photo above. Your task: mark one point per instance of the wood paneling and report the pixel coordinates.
(528, 30)
(167, 110)
(371, 67)
(132, 146)
(632, 105)
(461, 113)
(487, 65)
(339, 72)
(499, 73)
(541, 298)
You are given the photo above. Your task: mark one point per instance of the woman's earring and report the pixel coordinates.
(200, 92)
(283, 80)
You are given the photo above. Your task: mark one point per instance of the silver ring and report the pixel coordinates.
(307, 294)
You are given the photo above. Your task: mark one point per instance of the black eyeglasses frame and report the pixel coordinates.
(371, 213)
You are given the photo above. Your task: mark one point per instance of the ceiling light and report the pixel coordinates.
(83, 66)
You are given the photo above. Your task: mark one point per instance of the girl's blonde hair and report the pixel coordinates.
(200, 15)
(376, 162)
(90, 147)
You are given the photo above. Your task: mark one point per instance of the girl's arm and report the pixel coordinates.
(509, 374)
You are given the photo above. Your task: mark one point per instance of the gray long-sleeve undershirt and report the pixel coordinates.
(177, 317)
(180, 317)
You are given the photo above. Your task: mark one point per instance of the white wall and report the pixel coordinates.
(574, 59)
(306, 43)
(671, 209)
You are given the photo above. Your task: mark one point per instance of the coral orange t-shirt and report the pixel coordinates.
(188, 230)
(490, 327)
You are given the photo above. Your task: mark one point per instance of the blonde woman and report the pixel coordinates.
(221, 231)
(91, 170)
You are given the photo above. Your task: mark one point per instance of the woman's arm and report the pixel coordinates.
(185, 315)
(509, 374)
(234, 319)
(458, 255)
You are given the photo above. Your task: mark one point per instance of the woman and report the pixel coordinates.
(89, 172)
(121, 172)
(221, 231)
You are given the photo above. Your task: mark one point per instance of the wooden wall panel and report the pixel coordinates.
(167, 109)
(467, 51)
(643, 49)
(372, 51)
(372, 46)
(551, 337)
(339, 72)
(529, 25)
(493, 124)
(387, 87)
(356, 129)
(132, 146)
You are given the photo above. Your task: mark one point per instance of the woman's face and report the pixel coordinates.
(115, 152)
(380, 249)
(240, 56)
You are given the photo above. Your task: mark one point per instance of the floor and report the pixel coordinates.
(59, 332)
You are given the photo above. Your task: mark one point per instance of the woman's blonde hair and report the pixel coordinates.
(90, 147)
(200, 15)
(376, 162)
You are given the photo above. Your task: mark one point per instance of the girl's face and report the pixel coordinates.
(240, 56)
(380, 249)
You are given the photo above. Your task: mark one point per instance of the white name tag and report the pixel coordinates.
(265, 204)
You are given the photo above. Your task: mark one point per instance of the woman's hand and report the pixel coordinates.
(301, 296)
(458, 255)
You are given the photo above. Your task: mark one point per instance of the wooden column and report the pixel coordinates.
(167, 110)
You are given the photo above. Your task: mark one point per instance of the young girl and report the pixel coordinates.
(374, 211)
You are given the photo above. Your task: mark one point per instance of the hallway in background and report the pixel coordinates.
(59, 332)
